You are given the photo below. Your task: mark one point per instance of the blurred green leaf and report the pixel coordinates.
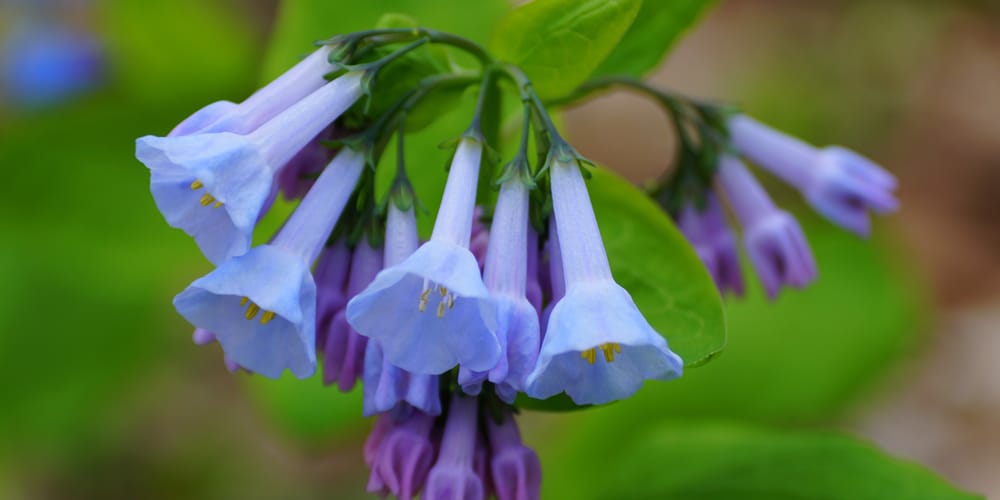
(654, 262)
(306, 409)
(302, 22)
(688, 461)
(659, 24)
(559, 43)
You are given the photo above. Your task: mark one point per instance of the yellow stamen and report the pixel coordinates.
(609, 351)
(252, 311)
(267, 317)
(590, 355)
(196, 185)
(206, 200)
(443, 291)
(217, 204)
(424, 297)
(244, 301)
(440, 312)
(451, 301)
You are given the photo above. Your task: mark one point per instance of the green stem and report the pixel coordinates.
(394, 35)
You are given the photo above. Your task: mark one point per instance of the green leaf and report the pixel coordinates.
(302, 22)
(657, 27)
(559, 43)
(654, 262)
(686, 461)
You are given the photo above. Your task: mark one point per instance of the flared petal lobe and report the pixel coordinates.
(280, 287)
(431, 312)
(599, 348)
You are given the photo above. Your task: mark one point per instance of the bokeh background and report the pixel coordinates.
(103, 395)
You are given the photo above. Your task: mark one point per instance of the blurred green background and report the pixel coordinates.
(103, 395)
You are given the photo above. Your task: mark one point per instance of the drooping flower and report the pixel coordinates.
(399, 453)
(295, 178)
(274, 280)
(597, 347)
(840, 184)
(506, 277)
(344, 350)
(515, 468)
(214, 185)
(554, 274)
(432, 311)
(774, 240)
(205, 337)
(453, 477)
(708, 232)
(533, 287)
(388, 387)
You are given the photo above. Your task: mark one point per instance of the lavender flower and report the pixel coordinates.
(596, 318)
(344, 351)
(774, 241)
(432, 311)
(506, 277)
(840, 184)
(214, 185)
(399, 453)
(42, 64)
(515, 468)
(274, 280)
(387, 386)
(453, 477)
(330, 276)
(708, 232)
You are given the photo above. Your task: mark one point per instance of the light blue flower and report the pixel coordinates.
(432, 311)
(273, 282)
(597, 346)
(774, 241)
(505, 276)
(215, 185)
(839, 183)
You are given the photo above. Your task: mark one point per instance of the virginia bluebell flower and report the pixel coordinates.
(774, 240)
(554, 280)
(533, 287)
(330, 275)
(505, 277)
(453, 477)
(597, 347)
(840, 184)
(214, 185)
(387, 386)
(399, 453)
(295, 178)
(709, 233)
(432, 311)
(45, 64)
(274, 280)
(515, 469)
(344, 351)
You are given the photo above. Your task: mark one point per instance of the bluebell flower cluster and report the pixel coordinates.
(506, 300)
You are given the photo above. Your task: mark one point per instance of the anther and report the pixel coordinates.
(424, 297)
(196, 185)
(440, 312)
(590, 355)
(244, 301)
(443, 291)
(252, 311)
(206, 200)
(609, 351)
(451, 301)
(267, 317)
(218, 204)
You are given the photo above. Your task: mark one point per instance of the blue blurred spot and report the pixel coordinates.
(46, 65)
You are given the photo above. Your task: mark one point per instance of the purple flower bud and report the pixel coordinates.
(774, 241)
(840, 184)
(402, 456)
(344, 352)
(516, 470)
(708, 232)
(330, 275)
(453, 476)
(301, 171)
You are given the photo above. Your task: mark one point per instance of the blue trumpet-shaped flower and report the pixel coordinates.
(453, 476)
(774, 240)
(708, 232)
(214, 185)
(506, 279)
(274, 282)
(387, 386)
(432, 311)
(344, 349)
(840, 184)
(597, 347)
